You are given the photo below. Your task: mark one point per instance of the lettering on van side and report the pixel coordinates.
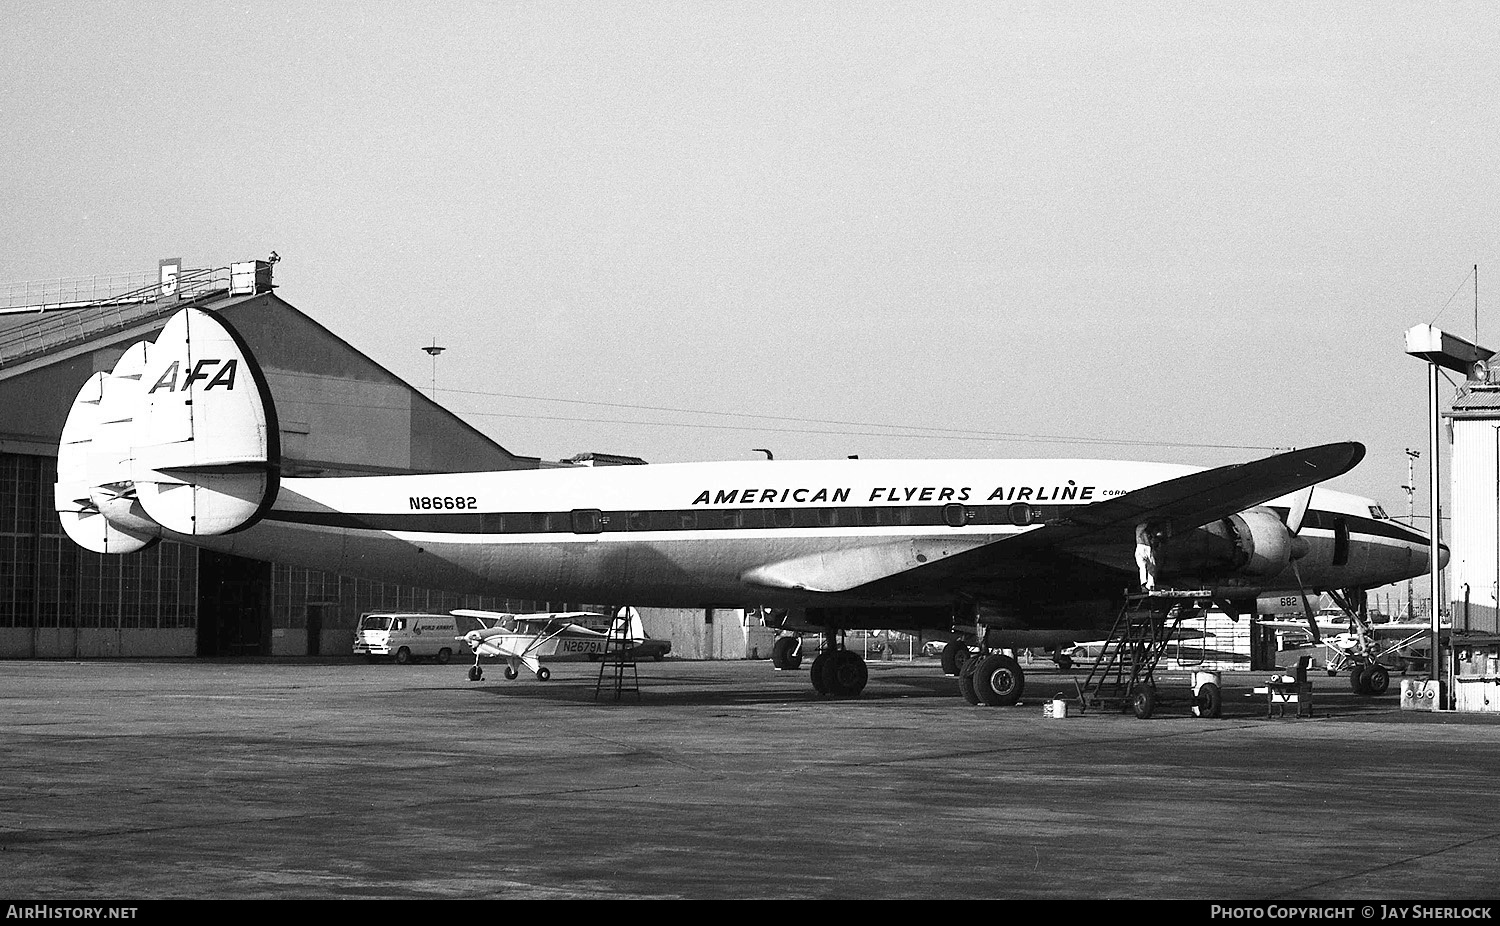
(443, 502)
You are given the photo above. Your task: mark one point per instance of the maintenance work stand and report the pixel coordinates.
(617, 671)
(1124, 676)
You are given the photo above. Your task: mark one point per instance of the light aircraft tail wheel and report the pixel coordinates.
(955, 654)
(510, 674)
(1143, 701)
(475, 673)
(543, 673)
(1210, 701)
(784, 653)
(1377, 680)
(998, 680)
(966, 681)
(403, 656)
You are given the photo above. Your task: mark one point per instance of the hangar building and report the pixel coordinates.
(341, 414)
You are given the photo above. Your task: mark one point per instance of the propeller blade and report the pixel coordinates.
(1298, 512)
(1312, 618)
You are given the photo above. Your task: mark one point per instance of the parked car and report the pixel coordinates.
(649, 648)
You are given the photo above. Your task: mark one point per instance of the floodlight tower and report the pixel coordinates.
(1411, 520)
(433, 351)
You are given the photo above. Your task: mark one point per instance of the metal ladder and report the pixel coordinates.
(617, 670)
(1146, 624)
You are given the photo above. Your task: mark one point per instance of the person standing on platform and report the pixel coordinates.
(1145, 555)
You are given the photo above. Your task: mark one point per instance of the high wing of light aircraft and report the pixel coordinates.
(527, 639)
(180, 440)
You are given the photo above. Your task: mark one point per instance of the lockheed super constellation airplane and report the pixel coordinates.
(180, 440)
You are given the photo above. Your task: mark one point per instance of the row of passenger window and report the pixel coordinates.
(593, 521)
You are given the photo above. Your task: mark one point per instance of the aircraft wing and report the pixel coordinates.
(1196, 499)
(1179, 504)
(488, 619)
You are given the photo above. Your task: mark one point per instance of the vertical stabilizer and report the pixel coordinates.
(205, 443)
(78, 495)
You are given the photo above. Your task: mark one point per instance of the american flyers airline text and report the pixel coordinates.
(1071, 491)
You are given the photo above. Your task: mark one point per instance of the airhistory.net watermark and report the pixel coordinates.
(50, 912)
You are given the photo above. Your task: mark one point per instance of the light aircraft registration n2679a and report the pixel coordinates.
(180, 441)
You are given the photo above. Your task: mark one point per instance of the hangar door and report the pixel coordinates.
(234, 605)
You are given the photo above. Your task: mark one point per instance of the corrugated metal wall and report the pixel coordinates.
(1473, 569)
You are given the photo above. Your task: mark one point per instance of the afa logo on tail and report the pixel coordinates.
(201, 370)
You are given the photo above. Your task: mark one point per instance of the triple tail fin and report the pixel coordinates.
(180, 436)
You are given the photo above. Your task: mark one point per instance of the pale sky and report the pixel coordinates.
(1189, 232)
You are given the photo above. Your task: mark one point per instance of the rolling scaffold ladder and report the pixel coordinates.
(1125, 673)
(617, 670)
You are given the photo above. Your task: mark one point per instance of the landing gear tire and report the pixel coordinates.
(966, 681)
(475, 673)
(955, 654)
(784, 654)
(543, 674)
(1143, 701)
(403, 656)
(1377, 680)
(845, 674)
(1210, 701)
(819, 663)
(510, 674)
(998, 680)
(1357, 681)
(444, 655)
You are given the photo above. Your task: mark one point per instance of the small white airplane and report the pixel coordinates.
(181, 440)
(526, 639)
(1364, 648)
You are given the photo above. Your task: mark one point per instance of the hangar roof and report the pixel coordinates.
(340, 412)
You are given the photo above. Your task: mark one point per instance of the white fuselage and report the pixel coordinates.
(737, 534)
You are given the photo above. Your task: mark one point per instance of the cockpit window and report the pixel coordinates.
(1378, 513)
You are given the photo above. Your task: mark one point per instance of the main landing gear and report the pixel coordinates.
(476, 672)
(786, 652)
(836, 672)
(991, 679)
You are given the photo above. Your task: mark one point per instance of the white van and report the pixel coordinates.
(406, 637)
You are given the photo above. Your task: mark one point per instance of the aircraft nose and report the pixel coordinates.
(1422, 557)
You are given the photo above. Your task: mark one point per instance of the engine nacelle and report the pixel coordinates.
(1251, 544)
